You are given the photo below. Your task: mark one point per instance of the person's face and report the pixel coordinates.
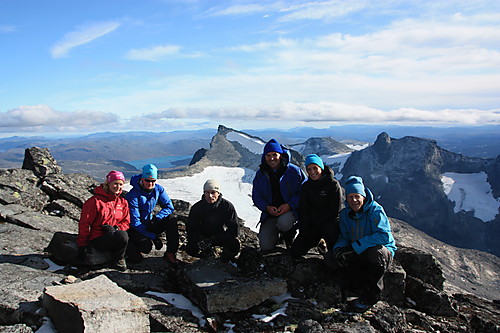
(116, 187)
(273, 159)
(211, 196)
(355, 201)
(148, 183)
(314, 171)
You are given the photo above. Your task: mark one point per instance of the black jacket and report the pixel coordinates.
(212, 220)
(320, 201)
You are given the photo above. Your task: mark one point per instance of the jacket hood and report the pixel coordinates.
(134, 181)
(286, 156)
(368, 202)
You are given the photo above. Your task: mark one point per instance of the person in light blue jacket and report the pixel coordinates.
(276, 192)
(145, 226)
(365, 246)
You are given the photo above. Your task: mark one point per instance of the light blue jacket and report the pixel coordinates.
(367, 228)
(142, 203)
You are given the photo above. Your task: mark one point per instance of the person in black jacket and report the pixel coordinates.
(321, 199)
(213, 222)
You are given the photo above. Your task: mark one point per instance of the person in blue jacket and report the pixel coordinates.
(365, 246)
(275, 192)
(145, 226)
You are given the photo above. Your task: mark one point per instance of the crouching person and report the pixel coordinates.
(212, 222)
(104, 220)
(145, 226)
(365, 247)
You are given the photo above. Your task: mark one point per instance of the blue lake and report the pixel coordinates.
(162, 162)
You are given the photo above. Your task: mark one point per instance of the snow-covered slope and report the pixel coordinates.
(471, 193)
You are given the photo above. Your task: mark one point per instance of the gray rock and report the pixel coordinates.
(96, 305)
(20, 290)
(43, 222)
(18, 328)
(428, 299)
(17, 240)
(18, 186)
(215, 287)
(40, 161)
(75, 187)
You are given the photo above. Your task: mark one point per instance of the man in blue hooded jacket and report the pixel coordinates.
(145, 226)
(276, 191)
(365, 246)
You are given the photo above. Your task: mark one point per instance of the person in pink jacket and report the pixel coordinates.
(104, 220)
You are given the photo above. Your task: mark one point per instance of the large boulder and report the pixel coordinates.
(20, 291)
(97, 305)
(217, 287)
(40, 161)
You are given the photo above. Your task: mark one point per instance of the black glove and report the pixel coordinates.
(107, 229)
(82, 253)
(342, 254)
(158, 243)
(205, 244)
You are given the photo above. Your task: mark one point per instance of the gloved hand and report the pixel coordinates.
(204, 244)
(342, 254)
(107, 229)
(158, 243)
(82, 253)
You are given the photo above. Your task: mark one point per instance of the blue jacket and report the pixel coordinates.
(142, 204)
(367, 228)
(290, 184)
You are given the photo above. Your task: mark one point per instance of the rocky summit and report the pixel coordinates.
(431, 286)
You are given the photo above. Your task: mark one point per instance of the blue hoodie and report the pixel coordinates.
(142, 204)
(290, 184)
(367, 228)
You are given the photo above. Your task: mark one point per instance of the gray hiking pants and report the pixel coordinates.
(271, 227)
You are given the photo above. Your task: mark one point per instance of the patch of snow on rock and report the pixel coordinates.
(256, 146)
(471, 193)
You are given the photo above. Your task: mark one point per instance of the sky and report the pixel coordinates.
(160, 65)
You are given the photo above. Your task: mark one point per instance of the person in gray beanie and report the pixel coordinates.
(212, 221)
(365, 247)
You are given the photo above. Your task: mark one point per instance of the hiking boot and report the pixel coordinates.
(360, 305)
(170, 257)
(120, 265)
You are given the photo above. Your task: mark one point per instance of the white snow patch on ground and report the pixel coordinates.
(181, 302)
(471, 193)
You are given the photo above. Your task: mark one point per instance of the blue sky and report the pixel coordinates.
(160, 65)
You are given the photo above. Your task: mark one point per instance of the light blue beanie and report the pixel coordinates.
(150, 171)
(354, 184)
(313, 158)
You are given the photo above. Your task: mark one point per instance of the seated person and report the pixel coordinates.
(212, 222)
(145, 227)
(365, 246)
(319, 206)
(104, 220)
(275, 192)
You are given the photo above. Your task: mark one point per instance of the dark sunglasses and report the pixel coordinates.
(149, 180)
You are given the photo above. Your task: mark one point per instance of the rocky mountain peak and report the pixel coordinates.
(321, 146)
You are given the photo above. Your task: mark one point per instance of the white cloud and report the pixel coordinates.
(155, 53)
(36, 116)
(80, 36)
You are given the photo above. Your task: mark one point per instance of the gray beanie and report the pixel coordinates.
(211, 185)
